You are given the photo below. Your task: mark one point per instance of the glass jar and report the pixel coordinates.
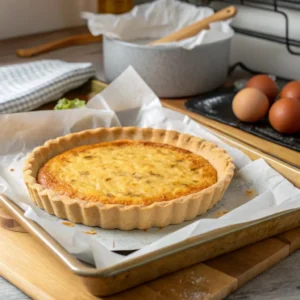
(114, 6)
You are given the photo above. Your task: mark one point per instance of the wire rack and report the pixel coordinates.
(276, 7)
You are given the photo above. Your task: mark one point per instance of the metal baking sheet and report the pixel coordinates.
(107, 281)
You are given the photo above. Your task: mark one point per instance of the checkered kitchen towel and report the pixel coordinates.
(27, 86)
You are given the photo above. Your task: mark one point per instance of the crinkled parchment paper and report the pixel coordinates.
(157, 19)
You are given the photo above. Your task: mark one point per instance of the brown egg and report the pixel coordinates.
(291, 90)
(265, 84)
(250, 105)
(284, 115)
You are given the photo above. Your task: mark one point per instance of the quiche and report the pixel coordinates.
(128, 177)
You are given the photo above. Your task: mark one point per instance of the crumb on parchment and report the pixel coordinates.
(12, 169)
(92, 231)
(69, 224)
(249, 192)
(221, 213)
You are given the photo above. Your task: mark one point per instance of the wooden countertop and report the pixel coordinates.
(281, 282)
(283, 153)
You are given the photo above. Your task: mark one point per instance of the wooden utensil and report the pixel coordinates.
(195, 28)
(66, 42)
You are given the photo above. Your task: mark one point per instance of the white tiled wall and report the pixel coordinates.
(260, 54)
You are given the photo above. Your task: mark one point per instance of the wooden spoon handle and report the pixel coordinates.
(69, 41)
(195, 28)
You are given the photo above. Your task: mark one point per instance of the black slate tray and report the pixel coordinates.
(217, 106)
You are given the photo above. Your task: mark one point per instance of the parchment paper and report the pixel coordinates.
(157, 19)
(256, 189)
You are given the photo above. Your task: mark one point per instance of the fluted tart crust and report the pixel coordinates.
(127, 177)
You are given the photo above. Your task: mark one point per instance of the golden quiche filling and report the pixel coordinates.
(127, 172)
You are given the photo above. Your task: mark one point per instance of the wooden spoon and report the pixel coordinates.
(66, 42)
(195, 28)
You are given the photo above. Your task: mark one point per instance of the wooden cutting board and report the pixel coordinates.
(26, 263)
(35, 270)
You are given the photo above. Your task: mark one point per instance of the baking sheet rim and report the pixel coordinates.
(80, 269)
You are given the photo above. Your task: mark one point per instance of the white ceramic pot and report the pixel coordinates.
(171, 72)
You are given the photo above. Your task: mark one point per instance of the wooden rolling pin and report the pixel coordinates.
(66, 42)
(195, 28)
